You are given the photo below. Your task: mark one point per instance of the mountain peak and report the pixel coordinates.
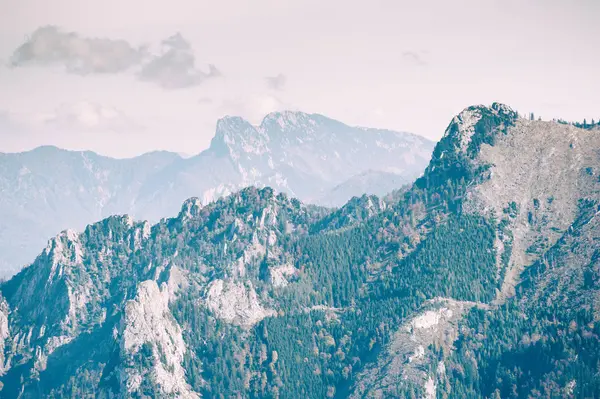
(285, 115)
(476, 124)
(289, 120)
(190, 208)
(235, 135)
(454, 154)
(230, 123)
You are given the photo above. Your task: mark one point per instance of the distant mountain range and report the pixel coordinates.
(309, 156)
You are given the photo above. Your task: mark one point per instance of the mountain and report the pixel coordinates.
(481, 280)
(370, 182)
(304, 155)
(47, 190)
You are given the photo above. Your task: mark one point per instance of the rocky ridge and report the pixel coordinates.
(214, 301)
(305, 155)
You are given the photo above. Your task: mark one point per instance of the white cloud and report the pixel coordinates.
(81, 125)
(174, 67)
(49, 45)
(76, 118)
(85, 116)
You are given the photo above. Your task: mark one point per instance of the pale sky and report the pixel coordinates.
(100, 79)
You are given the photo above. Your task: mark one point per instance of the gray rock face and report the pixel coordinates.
(148, 324)
(47, 190)
(236, 302)
(4, 334)
(409, 358)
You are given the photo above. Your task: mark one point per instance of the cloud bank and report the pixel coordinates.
(174, 67)
(80, 55)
